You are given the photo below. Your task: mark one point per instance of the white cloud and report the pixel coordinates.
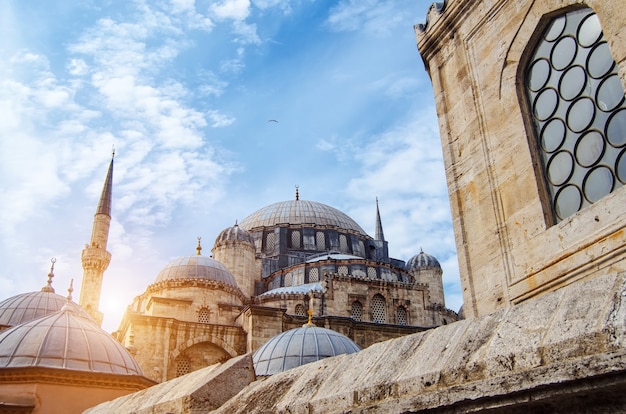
(369, 15)
(220, 120)
(232, 9)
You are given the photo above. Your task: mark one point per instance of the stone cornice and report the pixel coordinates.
(70, 377)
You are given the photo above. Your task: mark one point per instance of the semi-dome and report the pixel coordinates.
(234, 234)
(65, 340)
(422, 261)
(296, 212)
(300, 346)
(196, 267)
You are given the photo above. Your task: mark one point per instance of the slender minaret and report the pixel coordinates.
(95, 257)
(379, 225)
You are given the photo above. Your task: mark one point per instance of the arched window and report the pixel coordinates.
(343, 243)
(295, 239)
(269, 242)
(379, 311)
(288, 279)
(356, 311)
(401, 316)
(300, 311)
(183, 365)
(204, 315)
(314, 275)
(342, 270)
(578, 112)
(320, 240)
(371, 273)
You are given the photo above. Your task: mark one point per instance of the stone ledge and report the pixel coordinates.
(566, 342)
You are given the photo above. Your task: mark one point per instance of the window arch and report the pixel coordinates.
(183, 365)
(300, 311)
(356, 311)
(314, 275)
(320, 240)
(401, 318)
(295, 239)
(578, 112)
(379, 309)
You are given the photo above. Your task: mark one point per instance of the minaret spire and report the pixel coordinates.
(379, 225)
(95, 257)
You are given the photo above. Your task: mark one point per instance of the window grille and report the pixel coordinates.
(269, 242)
(300, 311)
(288, 279)
(356, 311)
(183, 365)
(379, 311)
(320, 240)
(314, 275)
(295, 239)
(401, 316)
(371, 272)
(343, 243)
(578, 112)
(203, 315)
(342, 270)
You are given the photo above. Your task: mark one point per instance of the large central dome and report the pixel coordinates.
(300, 212)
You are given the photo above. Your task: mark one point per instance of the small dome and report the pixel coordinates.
(422, 261)
(300, 346)
(65, 340)
(301, 212)
(27, 307)
(197, 267)
(234, 233)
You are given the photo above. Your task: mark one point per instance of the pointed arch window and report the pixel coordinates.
(204, 315)
(379, 309)
(401, 318)
(356, 311)
(300, 311)
(578, 112)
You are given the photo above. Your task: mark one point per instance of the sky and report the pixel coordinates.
(184, 91)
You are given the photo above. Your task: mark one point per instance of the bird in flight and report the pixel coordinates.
(272, 120)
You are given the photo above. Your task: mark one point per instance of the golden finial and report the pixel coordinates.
(198, 248)
(297, 193)
(70, 290)
(310, 313)
(113, 151)
(48, 287)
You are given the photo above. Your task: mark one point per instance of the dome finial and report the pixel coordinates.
(199, 248)
(297, 193)
(112, 151)
(310, 313)
(48, 287)
(70, 290)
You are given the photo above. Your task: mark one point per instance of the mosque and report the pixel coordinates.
(282, 264)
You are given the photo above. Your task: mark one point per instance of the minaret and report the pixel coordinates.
(379, 225)
(95, 257)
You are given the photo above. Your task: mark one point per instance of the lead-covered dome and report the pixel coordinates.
(422, 261)
(300, 346)
(65, 340)
(234, 234)
(301, 212)
(26, 307)
(196, 267)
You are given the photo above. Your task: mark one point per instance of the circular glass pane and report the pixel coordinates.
(560, 167)
(598, 183)
(545, 104)
(552, 135)
(563, 53)
(580, 114)
(620, 167)
(616, 128)
(567, 201)
(589, 31)
(539, 74)
(572, 83)
(555, 30)
(600, 62)
(590, 148)
(610, 94)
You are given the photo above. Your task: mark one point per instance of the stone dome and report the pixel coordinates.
(300, 346)
(65, 340)
(26, 307)
(233, 234)
(422, 261)
(196, 267)
(301, 212)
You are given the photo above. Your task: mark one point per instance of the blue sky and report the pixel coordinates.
(184, 90)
